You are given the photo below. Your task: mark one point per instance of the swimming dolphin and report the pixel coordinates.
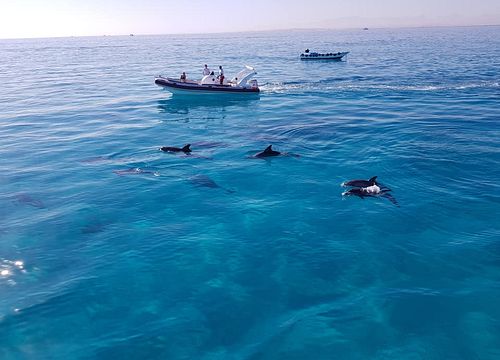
(374, 190)
(267, 153)
(361, 183)
(184, 149)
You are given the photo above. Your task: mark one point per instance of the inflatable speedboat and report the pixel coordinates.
(307, 55)
(240, 83)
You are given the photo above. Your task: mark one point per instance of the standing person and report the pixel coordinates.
(221, 74)
(206, 70)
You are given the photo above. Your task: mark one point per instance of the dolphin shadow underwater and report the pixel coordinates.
(204, 181)
(368, 188)
(26, 199)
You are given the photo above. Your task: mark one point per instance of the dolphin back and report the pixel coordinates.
(268, 152)
(361, 183)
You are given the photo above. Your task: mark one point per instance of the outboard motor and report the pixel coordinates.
(253, 83)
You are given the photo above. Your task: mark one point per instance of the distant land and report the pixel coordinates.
(362, 28)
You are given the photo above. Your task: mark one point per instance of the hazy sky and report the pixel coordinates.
(44, 18)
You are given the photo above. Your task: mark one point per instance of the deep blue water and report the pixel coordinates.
(101, 261)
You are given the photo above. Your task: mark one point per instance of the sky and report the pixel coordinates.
(50, 18)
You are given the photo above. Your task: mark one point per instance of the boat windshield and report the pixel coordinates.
(244, 75)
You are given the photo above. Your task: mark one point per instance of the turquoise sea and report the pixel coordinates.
(112, 249)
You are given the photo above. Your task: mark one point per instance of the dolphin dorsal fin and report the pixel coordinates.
(186, 147)
(268, 149)
(373, 180)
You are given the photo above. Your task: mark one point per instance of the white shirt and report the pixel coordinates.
(221, 72)
(206, 71)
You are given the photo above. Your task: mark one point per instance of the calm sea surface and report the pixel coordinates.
(111, 249)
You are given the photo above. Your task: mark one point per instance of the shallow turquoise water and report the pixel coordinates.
(97, 262)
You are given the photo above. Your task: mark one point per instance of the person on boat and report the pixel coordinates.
(221, 74)
(183, 77)
(206, 70)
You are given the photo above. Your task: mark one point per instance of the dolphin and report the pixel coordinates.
(361, 183)
(28, 200)
(371, 191)
(184, 149)
(267, 153)
(204, 181)
(92, 228)
(135, 171)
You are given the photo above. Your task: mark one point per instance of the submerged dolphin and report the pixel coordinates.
(361, 183)
(28, 200)
(368, 188)
(267, 152)
(204, 181)
(135, 171)
(184, 149)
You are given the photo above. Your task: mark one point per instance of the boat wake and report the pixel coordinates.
(323, 86)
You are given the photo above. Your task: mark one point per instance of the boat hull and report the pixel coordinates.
(177, 87)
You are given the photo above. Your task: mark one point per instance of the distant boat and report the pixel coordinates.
(131, 34)
(365, 28)
(307, 55)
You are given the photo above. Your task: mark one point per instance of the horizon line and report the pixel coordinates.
(256, 31)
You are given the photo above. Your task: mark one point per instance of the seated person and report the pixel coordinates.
(183, 77)
(206, 70)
